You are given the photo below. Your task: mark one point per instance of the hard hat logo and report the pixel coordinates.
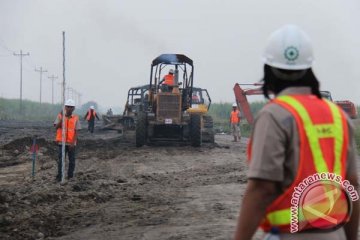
(291, 53)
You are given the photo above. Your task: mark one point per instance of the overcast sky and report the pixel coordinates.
(110, 44)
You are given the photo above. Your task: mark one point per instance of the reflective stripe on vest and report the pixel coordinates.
(234, 116)
(315, 132)
(70, 128)
(169, 79)
(311, 160)
(89, 115)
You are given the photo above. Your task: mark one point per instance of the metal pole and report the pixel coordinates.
(21, 55)
(40, 83)
(20, 81)
(34, 157)
(52, 77)
(63, 118)
(41, 71)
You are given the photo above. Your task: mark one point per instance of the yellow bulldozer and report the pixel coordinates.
(177, 112)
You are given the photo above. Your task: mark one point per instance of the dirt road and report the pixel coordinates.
(120, 192)
(157, 192)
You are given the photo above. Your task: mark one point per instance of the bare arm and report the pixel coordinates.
(257, 197)
(58, 122)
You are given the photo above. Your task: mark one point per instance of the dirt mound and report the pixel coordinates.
(24, 143)
(51, 209)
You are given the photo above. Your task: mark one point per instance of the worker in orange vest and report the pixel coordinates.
(234, 122)
(302, 179)
(168, 81)
(72, 125)
(90, 117)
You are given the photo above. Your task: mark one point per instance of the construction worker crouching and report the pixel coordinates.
(90, 117)
(235, 121)
(168, 81)
(301, 153)
(72, 125)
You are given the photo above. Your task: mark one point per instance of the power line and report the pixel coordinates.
(52, 77)
(21, 55)
(3, 45)
(41, 71)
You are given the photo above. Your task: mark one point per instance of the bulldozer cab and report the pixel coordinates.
(200, 101)
(137, 99)
(166, 117)
(168, 101)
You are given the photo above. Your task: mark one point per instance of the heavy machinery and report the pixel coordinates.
(243, 104)
(200, 104)
(135, 100)
(172, 115)
(349, 107)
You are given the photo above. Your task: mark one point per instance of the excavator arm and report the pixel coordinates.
(242, 102)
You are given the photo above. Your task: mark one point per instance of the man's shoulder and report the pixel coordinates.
(274, 111)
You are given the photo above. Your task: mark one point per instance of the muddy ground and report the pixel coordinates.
(163, 191)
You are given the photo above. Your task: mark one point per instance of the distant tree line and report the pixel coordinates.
(10, 110)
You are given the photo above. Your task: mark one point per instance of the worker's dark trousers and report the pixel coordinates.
(91, 125)
(71, 154)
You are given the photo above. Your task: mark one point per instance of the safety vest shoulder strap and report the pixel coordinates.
(314, 132)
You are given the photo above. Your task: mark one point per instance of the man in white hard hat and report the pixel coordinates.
(302, 175)
(72, 125)
(234, 122)
(90, 117)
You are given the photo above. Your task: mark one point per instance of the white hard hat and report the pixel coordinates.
(70, 103)
(234, 105)
(289, 48)
(171, 71)
(92, 107)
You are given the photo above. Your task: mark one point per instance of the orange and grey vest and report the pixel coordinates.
(70, 128)
(234, 116)
(169, 79)
(323, 135)
(89, 115)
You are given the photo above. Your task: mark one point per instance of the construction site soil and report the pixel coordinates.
(163, 191)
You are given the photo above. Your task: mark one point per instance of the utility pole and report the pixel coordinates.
(79, 97)
(41, 71)
(52, 77)
(68, 90)
(21, 55)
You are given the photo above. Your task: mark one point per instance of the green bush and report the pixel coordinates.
(357, 138)
(10, 110)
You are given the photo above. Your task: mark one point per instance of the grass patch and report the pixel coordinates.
(357, 136)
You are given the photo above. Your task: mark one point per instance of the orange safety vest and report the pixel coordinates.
(234, 116)
(70, 128)
(89, 114)
(169, 79)
(323, 133)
